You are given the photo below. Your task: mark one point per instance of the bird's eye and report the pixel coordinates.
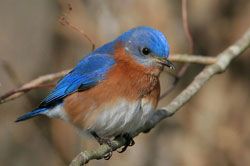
(145, 51)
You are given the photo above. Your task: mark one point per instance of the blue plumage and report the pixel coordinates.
(144, 36)
(92, 69)
(32, 114)
(87, 73)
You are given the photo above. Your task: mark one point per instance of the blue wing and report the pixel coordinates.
(89, 71)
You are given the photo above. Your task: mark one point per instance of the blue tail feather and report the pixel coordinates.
(36, 112)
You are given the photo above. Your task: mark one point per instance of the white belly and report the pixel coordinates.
(57, 112)
(124, 117)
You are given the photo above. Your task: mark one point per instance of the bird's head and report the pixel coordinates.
(147, 46)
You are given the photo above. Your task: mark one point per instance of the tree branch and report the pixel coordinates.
(34, 84)
(186, 25)
(188, 34)
(40, 81)
(198, 59)
(64, 21)
(219, 66)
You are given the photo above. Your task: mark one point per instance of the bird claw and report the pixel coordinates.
(129, 142)
(124, 148)
(102, 141)
(108, 155)
(108, 142)
(132, 142)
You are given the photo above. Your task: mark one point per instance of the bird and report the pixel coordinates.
(114, 90)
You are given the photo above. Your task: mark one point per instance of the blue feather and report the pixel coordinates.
(89, 71)
(36, 112)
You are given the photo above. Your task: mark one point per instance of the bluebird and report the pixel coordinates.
(113, 90)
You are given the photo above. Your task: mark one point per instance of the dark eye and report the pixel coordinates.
(145, 51)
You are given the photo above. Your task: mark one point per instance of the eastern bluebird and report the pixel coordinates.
(113, 90)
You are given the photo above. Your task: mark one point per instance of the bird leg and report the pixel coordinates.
(102, 141)
(129, 142)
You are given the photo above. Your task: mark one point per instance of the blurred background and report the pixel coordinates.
(212, 129)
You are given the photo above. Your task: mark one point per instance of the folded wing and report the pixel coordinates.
(89, 72)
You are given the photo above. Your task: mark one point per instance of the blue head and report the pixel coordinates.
(147, 45)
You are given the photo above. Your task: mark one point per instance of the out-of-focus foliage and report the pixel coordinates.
(212, 129)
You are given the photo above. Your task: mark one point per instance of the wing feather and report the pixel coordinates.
(89, 71)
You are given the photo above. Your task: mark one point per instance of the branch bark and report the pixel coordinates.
(222, 62)
(198, 59)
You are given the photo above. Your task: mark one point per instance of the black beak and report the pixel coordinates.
(166, 62)
(169, 64)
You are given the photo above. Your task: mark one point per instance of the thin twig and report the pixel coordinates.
(199, 59)
(186, 26)
(64, 21)
(221, 64)
(24, 89)
(188, 34)
(34, 84)
(40, 81)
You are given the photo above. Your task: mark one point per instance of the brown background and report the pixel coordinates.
(212, 129)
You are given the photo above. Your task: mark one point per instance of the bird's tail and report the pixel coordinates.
(36, 112)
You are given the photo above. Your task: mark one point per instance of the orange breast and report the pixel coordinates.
(127, 79)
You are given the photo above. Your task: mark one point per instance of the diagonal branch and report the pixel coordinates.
(221, 64)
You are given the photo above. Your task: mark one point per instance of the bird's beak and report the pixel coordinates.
(166, 62)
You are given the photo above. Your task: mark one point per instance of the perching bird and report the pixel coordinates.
(113, 90)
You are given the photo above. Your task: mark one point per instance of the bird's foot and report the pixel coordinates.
(102, 141)
(108, 142)
(129, 142)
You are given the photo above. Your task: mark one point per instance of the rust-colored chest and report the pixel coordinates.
(125, 80)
